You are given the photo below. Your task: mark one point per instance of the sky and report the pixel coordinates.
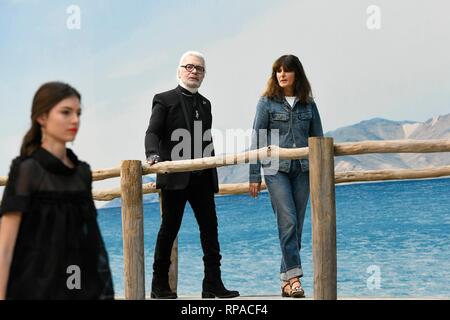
(391, 63)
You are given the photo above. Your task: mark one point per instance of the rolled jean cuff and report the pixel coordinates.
(294, 272)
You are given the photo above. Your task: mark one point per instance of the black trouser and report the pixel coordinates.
(200, 195)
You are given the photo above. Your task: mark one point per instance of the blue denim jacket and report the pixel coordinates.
(295, 125)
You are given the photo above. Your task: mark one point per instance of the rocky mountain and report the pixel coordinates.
(382, 129)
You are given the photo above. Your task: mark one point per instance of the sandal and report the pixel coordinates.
(286, 293)
(297, 291)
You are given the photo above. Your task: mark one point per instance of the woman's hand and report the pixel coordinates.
(254, 188)
(9, 229)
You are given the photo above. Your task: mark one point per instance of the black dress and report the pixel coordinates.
(59, 251)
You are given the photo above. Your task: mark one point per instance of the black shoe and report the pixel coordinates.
(161, 290)
(163, 294)
(215, 289)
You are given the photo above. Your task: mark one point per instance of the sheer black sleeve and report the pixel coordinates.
(22, 181)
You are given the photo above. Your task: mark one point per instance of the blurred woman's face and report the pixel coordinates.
(285, 79)
(61, 124)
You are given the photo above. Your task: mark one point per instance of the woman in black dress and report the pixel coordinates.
(50, 242)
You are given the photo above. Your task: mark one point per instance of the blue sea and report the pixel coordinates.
(393, 240)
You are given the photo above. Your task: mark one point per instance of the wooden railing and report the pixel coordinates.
(321, 153)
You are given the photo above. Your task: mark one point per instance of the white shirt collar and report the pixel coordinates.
(291, 100)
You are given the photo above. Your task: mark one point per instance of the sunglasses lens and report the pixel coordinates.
(191, 67)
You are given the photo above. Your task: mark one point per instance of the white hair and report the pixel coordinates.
(192, 53)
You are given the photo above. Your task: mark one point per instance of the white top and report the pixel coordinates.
(291, 100)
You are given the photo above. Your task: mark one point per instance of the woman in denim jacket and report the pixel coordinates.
(286, 115)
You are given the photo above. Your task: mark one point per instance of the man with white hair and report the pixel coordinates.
(184, 113)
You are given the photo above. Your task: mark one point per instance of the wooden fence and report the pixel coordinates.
(321, 153)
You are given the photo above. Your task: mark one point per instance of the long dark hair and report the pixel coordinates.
(45, 99)
(302, 88)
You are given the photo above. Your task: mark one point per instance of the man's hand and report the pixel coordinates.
(153, 159)
(254, 188)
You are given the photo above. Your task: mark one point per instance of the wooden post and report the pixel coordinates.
(173, 270)
(323, 204)
(133, 229)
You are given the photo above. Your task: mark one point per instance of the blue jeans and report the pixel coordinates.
(289, 193)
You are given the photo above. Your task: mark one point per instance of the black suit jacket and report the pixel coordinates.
(169, 112)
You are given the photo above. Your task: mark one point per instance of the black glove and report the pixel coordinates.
(154, 158)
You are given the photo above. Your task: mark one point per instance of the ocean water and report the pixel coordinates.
(393, 240)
